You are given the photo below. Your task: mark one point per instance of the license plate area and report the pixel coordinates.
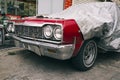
(32, 48)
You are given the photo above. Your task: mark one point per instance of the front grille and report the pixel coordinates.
(28, 31)
(34, 33)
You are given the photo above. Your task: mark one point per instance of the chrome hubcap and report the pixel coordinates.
(89, 54)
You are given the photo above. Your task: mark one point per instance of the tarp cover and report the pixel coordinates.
(96, 19)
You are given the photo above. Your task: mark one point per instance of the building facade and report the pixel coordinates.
(18, 7)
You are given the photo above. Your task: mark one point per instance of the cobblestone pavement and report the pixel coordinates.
(20, 64)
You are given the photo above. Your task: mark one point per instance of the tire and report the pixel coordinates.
(1, 36)
(86, 56)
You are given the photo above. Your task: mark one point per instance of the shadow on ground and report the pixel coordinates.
(54, 64)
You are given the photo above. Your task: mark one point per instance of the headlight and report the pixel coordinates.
(11, 27)
(48, 31)
(58, 33)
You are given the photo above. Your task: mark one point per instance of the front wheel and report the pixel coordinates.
(86, 56)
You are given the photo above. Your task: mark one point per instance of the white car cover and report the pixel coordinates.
(97, 19)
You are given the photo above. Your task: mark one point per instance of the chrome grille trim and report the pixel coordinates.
(28, 31)
(37, 24)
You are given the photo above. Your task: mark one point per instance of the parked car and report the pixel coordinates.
(1, 35)
(75, 33)
(5, 27)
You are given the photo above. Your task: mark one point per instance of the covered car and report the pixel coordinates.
(74, 33)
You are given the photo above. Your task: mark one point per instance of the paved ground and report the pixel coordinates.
(19, 64)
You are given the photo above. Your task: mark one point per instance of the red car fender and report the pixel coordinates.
(72, 34)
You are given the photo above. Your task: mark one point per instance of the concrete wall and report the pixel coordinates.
(49, 6)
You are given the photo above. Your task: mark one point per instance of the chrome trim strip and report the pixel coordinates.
(42, 40)
(37, 42)
(34, 24)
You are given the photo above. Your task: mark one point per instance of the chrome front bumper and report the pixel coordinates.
(61, 52)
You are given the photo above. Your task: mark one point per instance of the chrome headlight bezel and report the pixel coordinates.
(48, 31)
(57, 33)
(11, 27)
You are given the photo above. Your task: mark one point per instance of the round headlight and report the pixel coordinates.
(58, 33)
(11, 28)
(48, 31)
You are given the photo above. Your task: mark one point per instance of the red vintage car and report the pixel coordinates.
(60, 35)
